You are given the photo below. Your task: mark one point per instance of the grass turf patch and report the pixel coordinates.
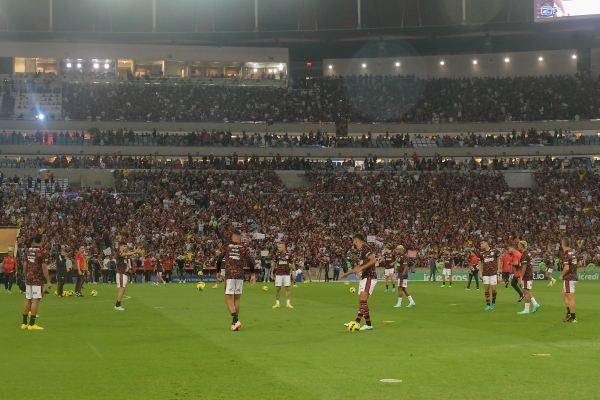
(175, 343)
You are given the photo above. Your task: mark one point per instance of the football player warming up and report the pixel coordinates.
(403, 277)
(526, 278)
(234, 257)
(569, 277)
(490, 263)
(281, 276)
(368, 279)
(36, 271)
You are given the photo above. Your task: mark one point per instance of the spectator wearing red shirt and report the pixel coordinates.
(515, 262)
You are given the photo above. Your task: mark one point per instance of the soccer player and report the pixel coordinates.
(490, 263)
(281, 275)
(403, 277)
(368, 279)
(122, 268)
(473, 271)
(35, 271)
(549, 268)
(571, 261)
(448, 265)
(80, 268)
(234, 257)
(526, 278)
(10, 265)
(515, 262)
(159, 273)
(388, 262)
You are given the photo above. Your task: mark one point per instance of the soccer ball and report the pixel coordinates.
(346, 283)
(201, 286)
(200, 273)
(352, 290)
(94, 293)
(265, 288)
(71, 293)
(353, 327)
(305, 281)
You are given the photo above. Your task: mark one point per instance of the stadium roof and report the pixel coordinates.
(310, 28)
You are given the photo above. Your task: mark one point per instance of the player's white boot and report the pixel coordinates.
(366, 328)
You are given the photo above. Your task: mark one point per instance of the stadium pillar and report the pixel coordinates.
(359, 16)
(50, 22)
(153, 15)
(464, 12)
(255, 15)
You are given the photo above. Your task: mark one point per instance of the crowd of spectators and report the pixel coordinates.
(319, 139)
(356, 99)
(172, 215)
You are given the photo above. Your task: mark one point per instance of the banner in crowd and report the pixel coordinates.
(371, 239)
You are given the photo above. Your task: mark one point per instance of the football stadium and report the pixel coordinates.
(300, 199)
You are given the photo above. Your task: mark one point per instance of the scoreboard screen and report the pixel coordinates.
(552, 10)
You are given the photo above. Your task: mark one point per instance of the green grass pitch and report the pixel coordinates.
(175, 343)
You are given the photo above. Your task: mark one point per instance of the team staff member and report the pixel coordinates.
(571, 261)
(515, 262)
(168, 265)
(234, 257)
(368, 279)
(180, 268)
(490, 263)
(506, 268)
(526, 278)
(148, 268)
(36, 271)
(80, 268)
(281, 275)
(61, 270)
(10, 264)
(122, 268)
(473, 271)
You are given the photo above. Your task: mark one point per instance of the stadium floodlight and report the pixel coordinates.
(541, 59)
(442, 63)
(68, 65)
(574, 56)
(41, 116)
(507, 60)
(255, 70)
(474, 61)
(96, 65)
(331, 66)
(78, 65)
(397, 64)
(105, 66)
(364, 65)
